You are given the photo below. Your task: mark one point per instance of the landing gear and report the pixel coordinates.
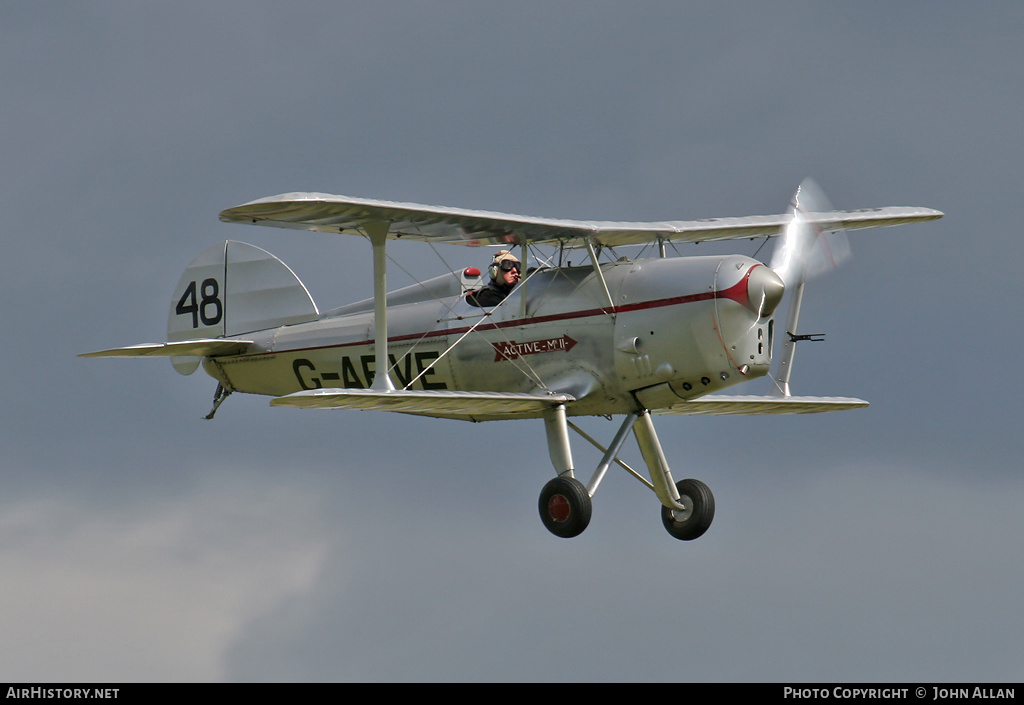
(565, 507)
(698, 510)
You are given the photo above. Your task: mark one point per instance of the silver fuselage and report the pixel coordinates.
(680, 328)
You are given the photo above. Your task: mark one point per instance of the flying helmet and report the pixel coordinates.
(503, 261)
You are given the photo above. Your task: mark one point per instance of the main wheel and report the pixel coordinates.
(565, 507)
(691, 523)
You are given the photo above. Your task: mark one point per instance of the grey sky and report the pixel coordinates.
(140, 542)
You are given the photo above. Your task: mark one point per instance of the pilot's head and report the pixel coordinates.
(504, 269)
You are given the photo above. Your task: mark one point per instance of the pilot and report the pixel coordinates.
(504, 271)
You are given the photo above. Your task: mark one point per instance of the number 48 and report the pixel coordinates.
(200, 309)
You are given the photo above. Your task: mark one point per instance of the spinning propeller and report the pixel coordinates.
(805, 251)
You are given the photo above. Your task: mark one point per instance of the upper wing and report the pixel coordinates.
(470, 406)
(341, 214)
(750, 404)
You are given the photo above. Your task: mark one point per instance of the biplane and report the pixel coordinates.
(611, 336)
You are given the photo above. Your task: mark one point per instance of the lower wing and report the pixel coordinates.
(739, 405)
(470, 406)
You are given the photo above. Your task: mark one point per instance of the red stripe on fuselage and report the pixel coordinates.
(737, 292)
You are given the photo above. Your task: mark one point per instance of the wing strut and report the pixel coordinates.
(378, 232)
(789, 346)
(600, 277)
(524, 259)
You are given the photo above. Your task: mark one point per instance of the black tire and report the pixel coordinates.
(565, 507)
(700, 504)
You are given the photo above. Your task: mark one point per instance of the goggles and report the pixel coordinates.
(507, 265)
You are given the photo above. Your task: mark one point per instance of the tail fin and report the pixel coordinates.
(231, 289)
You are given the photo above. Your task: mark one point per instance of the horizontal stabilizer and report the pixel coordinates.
(201, 347)
(342, 214)
(478, 406)
(739, 405)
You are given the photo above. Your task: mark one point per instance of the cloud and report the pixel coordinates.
(860, 573)
(153, 590)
